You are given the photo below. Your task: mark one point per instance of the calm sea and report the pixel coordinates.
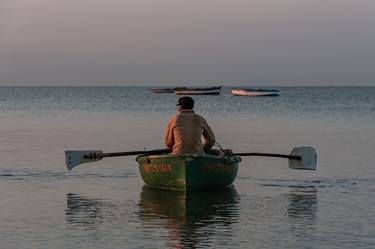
(105, 205)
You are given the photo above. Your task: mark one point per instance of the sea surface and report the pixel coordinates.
(105, 204)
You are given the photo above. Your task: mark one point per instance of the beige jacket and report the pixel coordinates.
(184, 134)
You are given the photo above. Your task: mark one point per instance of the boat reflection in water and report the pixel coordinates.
(191, 219)
(172, 218)
(205, 219)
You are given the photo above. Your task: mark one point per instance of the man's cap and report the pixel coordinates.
(186, 103)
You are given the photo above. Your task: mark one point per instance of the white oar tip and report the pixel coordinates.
(308, 158)
(74, 158)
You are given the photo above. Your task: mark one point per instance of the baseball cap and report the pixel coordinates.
(186, 103)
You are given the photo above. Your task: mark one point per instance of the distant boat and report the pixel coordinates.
(198, 90)
(162, 90)
(255, 92)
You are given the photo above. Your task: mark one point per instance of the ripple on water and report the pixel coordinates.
(29, 174)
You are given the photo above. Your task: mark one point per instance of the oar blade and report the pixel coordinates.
(74, 158)
(308, 158)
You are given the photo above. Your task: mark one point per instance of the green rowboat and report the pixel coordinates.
(188, 172)
(191, 172)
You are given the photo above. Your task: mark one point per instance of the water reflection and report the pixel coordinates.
(83, 211)
(302, 211)
(303, 203)
(190, 219)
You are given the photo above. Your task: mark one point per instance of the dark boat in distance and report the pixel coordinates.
(163, 90)
(189, 90)
(198, 90)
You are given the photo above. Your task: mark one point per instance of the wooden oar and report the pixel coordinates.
(300, 158)
(303, 158)
(74, 158)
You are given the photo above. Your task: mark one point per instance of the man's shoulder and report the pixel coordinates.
(173, 118)
(176, 117)
(199, 117)
(185, 114)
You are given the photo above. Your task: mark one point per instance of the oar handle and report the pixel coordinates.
(269, 155)
(128, 153)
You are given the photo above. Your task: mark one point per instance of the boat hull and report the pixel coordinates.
(183, 92)
(162, 90)
(188, 172)
(166, 90)
(255, 93)
(198, 91)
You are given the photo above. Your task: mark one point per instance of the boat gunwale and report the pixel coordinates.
(187, 156)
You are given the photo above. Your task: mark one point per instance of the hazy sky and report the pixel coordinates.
(174, 42)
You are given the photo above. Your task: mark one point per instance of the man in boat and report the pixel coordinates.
(185, 131)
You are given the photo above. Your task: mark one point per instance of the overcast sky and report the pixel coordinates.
(182, 42)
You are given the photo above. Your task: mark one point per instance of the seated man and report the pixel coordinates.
(185, 131)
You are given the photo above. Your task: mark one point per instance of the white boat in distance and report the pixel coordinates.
(198, 90)
(255, 92)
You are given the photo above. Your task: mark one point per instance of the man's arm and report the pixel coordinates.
(208, 135)
(169, 139)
